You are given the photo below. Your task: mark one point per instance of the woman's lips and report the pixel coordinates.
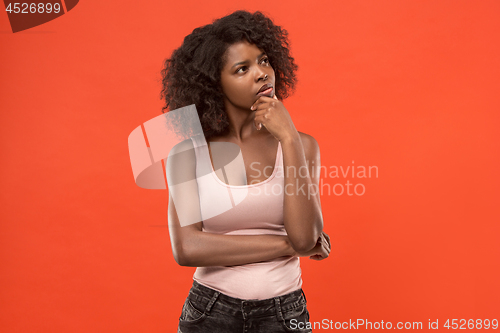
(268, 92)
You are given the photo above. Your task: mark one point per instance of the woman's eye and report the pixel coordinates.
(239, 69)
(265, 60)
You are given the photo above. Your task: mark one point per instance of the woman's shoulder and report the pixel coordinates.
(181, 159)
(311, 146)
(188, 144)
(307, 137)
(182, 146)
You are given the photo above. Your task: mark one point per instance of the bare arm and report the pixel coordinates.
(302, 209)
(193, 247)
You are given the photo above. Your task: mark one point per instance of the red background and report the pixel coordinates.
(408, 86)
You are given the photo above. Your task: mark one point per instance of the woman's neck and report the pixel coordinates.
(241, 125)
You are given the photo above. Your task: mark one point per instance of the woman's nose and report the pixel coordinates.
(261, 75)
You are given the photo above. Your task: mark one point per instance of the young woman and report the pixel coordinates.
(236, 71)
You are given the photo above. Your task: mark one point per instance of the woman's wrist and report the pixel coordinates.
(291, 139)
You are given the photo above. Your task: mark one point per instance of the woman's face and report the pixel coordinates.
(246, 71)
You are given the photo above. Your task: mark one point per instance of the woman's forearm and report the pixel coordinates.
(207, 249)
(302, 211)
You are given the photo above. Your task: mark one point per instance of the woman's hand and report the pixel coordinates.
(320, 251)
(272, 114)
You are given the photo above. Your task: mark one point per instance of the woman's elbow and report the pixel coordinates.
(307, 241)
(181, 258)
(303, 245)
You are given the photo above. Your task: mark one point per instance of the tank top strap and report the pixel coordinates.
(203, 163)
(279, 157)
(199, 141)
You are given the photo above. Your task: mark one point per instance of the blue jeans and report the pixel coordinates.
(209, 311)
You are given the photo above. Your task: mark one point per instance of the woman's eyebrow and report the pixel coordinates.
(247, 61)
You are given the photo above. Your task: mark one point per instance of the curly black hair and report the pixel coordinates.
(192, 75)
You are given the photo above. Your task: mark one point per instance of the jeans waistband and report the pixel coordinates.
(288, 301)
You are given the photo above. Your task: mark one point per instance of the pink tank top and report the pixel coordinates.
(250, 210)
